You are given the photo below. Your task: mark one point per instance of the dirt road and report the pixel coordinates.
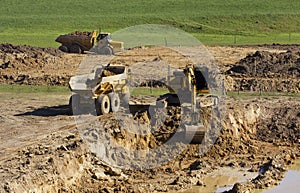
(28, 117)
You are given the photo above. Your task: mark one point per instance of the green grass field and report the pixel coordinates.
(33, 89)
(215, 22)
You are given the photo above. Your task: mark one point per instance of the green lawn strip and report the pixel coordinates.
(147, 91)
(246, 95)
(33, 89)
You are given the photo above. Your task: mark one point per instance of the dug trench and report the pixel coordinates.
(258, 135)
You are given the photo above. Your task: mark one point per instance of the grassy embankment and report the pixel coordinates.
(215, 22)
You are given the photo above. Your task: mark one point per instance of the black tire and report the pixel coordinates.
(102, 105)
(75, 49)
(125, 99)
(114, 102)
(74, 103)
(63, 48)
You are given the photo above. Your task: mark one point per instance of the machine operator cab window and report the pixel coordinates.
(103, 35)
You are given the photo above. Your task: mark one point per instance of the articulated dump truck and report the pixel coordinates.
(106, 88)
(101, 90)
(79, 42)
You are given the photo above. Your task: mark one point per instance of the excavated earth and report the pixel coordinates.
(44, 150)
(27, 65)
(262, 68)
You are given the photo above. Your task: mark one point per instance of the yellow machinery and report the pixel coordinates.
(100, 90)
(184, 85)
(79, 42)
(105, 86)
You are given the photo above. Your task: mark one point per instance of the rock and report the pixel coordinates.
(113, 172)
(100, 175)
(152, 144)
(239, 188)
(200, 183)
(107, 190)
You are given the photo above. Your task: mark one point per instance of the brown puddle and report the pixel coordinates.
(290, 182)
(221, 180)
(224, 179)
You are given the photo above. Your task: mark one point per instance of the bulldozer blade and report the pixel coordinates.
(194, 133)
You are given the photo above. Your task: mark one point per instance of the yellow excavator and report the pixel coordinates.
(185, 85)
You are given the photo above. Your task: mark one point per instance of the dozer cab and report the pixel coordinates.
(79, 42)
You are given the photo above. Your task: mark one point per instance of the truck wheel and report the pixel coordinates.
(102, 105)
(63, 48)
(114, 102)
(125, 99)
(75, 49)
(74, 104)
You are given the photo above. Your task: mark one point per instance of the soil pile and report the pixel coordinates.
(280, 124)
(269, 65)
(267, 72)
(29, 50)
(79, 33)
(35, 66)
(260, 71)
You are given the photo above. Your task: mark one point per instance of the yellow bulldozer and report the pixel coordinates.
(79, 42)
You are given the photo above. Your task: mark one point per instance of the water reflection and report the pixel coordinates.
(290, 182)
(221, 180)
(218, 182)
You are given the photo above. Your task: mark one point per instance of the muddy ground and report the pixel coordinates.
(43, 150)
(41, 157)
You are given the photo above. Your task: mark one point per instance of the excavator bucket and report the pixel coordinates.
(195, 133)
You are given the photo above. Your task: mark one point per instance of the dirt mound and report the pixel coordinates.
(267, 72)
(280, 124)
(35, 66)
(79, 33)
(287, 47)
(260, 71)
(31, 51)
(266, 64)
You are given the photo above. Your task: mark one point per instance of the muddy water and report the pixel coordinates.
(224, 179)
(221, 180)
(290, 183)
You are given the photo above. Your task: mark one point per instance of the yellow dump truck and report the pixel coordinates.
(79, 42)
(105, 89)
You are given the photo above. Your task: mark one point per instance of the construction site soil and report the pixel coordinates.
(44, 150)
